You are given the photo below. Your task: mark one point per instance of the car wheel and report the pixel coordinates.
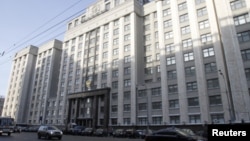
(47, 136)
(39, 136)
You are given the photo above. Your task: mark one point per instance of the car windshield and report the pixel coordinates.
(184, 133)
(52, 128)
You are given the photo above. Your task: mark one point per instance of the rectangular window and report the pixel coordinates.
(170, 48)
(193, 101)
(127, 83)
(169, 35)
(149, 70)
(170, 60)
(213, 83)
(142, 106)
(127, 71)
(182, 6)
(157, 120)
(127, 95)
(237, 4)
(174, 103)
(215, 100)
(244, 36)
(208, 52)
(126, 107)
(167, 23)
(202, 12)
(241, 19)
(156, 91)
(247, 72)
(185, 30)
(127, 48)
(115, 84)
(166, 12)
(190, 71)
(174, 119)
(217, 118)
(114, 108)
(142, 93)
(210, 67)
(184, 18)
(194, 119)
(115, 73)
(156, 105)
(191, 86)
(127, 37)
(187, 43)
(204, 24)
(206, 38)
(172, 74)
(188, 56)
(172, 88)
(245, 54)
(127, 59)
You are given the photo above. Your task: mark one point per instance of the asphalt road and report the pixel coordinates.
(32, 136)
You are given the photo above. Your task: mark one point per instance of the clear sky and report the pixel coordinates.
(30, 22)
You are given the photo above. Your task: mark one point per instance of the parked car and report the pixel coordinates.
(131, 133)
(87, 132)
(142, 133)
(49, 132)
(119, 133)
(77, 130)
(172, 134)
(100, 132)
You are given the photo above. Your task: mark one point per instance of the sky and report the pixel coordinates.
(32, 22)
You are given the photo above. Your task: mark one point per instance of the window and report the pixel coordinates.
(170, 48)
(187, 43)
(116, 31)
(147, 48)
(206, 38)
(199, 1)
(167, 23)
(147, 37)
(107, 6)
(114, 108)
(169, 35)
(215, 100)
(116, 22)
(184, 18)
(247, 72)
(147, 27)
(202, 12)
(165, 2)
(149, 70)
(104, 54)
(182, 6)
(242, 19)
(105, 45)
(142, 121)
(210, 67)
(157, 56)
(156, 91)
(126, 107)
(142, 93)
(244, 36)
(127, 27)
(175, 119)
(127, 71)
(166, 12)
(217, 118)
(156, 105)
(127, 83)
(191, 86)
(204, 24)
(208, 52)
(115, 84)
(170, 60)
(115, 63)
(213, 83)
(194, 119)
(127, 48)
(104, 75)
(185, 30)
(115, 41)
(189, 56)
(245, 54)
(106, 36)
(127, 95)
(157, 120)
(193, 101)
(237, 4)
(142, 106)
(190, 71)
(172, 88)
(115, 51)
(174, 103)
(115, 73)
(127, 59)
(126, 121)
(148, 59)
(127, 37)
(172, 74)
(114, 96)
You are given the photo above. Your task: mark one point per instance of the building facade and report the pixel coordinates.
(163, 62)
(167, 62)
(17, 100)
(1, 104)
(44, 85)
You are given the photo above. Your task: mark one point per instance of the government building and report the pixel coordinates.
(151, 63)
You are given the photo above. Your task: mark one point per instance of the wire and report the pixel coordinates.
(46, 23)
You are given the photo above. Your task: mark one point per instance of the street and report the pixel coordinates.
(32, 136)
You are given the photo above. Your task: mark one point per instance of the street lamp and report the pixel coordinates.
(228, 97)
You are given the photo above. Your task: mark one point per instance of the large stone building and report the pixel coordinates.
(164, 62)
(1, 104)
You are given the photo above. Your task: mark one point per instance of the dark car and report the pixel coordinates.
(87, 132)
(49, 132)
(100, 132)
(77, 130)
(172, 134)
(119, 133)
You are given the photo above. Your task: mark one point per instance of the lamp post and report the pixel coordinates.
(228, 97)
